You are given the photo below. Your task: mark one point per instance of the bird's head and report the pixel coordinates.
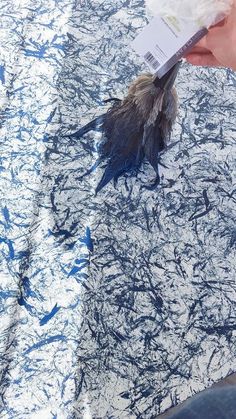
(167, 81)
(148, 91)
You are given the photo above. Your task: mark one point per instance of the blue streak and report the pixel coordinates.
(88, 240)
(2, 74)
(47, 341)
(6, 215)
(48, 316)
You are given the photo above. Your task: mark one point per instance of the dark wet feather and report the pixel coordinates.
(136, 128)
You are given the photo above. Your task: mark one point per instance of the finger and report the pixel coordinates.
(204, 60)
(214, 37)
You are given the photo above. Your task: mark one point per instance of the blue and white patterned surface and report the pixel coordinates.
(120, 304)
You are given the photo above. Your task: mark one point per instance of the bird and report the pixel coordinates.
(137, 127)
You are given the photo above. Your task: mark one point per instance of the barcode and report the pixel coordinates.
(152, 61)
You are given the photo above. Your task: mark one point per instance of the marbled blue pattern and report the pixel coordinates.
(120, 304)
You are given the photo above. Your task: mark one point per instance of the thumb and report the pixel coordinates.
(204, 60)
(215, 37)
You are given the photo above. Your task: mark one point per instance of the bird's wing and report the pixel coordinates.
(94, 125)
(97, 123)
(153, 142)
(123, 158)
(122, 147)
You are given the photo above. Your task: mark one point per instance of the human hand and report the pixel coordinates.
(218, 47)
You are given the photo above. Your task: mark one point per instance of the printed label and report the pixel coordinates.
(165, 40)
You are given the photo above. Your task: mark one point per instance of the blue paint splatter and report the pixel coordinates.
(2, 74)
(49, 119)
(26, 287)
(47, 341)
(47, 317)
(5, 213)
(10, 247)
(82, 263)
(88, 240)
(22, 302)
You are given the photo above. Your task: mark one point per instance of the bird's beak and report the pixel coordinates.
(166, 82)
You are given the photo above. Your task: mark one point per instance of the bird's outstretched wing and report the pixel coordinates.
(94, 125)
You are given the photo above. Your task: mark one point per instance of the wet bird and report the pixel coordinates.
(137, 127)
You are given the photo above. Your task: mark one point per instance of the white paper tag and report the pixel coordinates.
(165, 40)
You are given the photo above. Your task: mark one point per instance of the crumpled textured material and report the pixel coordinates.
(205, 12)
(120, 304)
